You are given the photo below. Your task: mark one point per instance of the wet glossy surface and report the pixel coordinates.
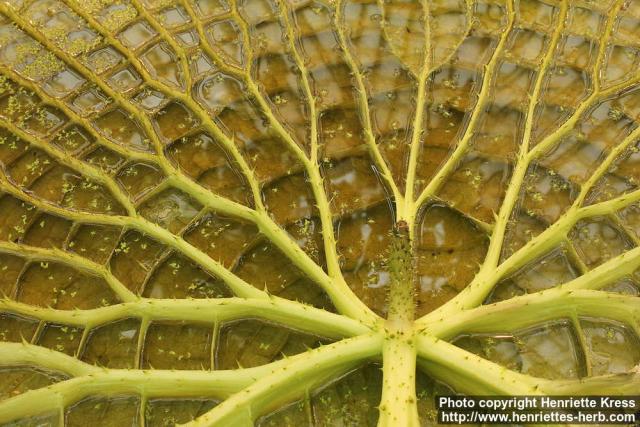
(348, 401)
(16, 381)
(165, 111)
(250, 343)
(548, 351)
(167, 412)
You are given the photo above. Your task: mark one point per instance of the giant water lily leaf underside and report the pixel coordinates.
(283, 212)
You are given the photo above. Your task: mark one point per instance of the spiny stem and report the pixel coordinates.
(76, 118)
(283, 385)
(483, 98)
(90, 380)
(524, 311)
(278, 310)
(399, 340)
(596, 93)
(177, 94)
(237, 285)
(204, 196)
(85, 169)
(338, 291)
(77, 261)
(398, 404)
(522, 162)
(471, 374)
(407, 213)
(486, 279)
(363, 105)
(614, 155)
(334, 284)
(401, 266)
(315, 179)
(164, 34)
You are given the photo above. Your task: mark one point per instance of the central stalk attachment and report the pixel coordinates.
(398, 406)
(401, 266)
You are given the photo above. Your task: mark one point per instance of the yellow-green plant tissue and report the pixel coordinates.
(319, 213)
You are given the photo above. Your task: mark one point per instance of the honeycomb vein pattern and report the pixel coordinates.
(296, 212)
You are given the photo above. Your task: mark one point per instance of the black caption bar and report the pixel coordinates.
(604, 410)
